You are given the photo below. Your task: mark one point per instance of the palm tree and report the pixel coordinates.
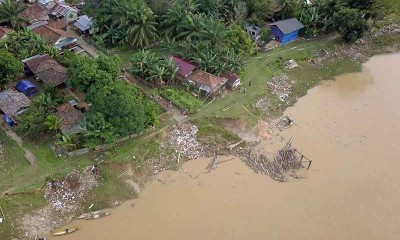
(141, 62)
(53, 122)
(158, 74)
(136, 21)
(214, 31)
(10, 11)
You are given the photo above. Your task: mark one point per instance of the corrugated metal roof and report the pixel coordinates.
(83, 23)
(288, 25)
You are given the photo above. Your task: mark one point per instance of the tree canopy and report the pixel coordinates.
(10, 67)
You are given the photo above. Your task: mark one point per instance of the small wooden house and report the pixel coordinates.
(286, 30)
(13, 103)
(207, 82)
(233, 80)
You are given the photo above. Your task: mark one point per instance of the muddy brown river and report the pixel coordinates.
(349, 127)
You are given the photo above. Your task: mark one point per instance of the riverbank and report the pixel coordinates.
(139, 154)
(349, 127)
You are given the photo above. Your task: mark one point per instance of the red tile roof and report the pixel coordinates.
(4, 31)
(50, 34)
(35, 13)
(185, 68)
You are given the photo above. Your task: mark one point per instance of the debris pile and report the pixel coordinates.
(263, 105)
(388, 30)
(283, 122)
(280, 86)
(65, 194)
(284, 160)
(321, 57)
(291, 64)
(183, 137)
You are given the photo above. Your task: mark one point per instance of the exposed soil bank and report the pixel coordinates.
(349, 127)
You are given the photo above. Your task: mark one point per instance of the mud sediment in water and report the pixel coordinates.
(349, 127)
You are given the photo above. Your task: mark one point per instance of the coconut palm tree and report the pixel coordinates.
(136, 21)
(10, 11)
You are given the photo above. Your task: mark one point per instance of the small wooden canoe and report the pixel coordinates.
(65, 231)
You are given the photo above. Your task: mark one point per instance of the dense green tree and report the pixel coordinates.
(85, 71)
(32, 122)
(263, 9)
(350, 24)
(122, 105)
(110, 64)
(10, 67)
(10, 11)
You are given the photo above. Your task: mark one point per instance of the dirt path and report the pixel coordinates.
(28, 154)
(90, 49)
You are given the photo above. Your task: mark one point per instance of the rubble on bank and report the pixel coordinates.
(63, 196)
(183, 138)
(280, 86)
(263, 104)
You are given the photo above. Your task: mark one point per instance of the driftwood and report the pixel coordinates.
(213, 164)
(276, 167)
(230, 147)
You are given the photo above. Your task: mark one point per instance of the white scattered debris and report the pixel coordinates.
(291, 64)
(280, 86)
(183, 137)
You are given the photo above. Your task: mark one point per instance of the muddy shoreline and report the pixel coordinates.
(349, 127)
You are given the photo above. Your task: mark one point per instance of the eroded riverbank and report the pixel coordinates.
(349, 127)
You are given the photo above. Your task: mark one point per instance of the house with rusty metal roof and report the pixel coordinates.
(63, 11)
(13, 103)
(53, 35)
(70, 118)
(46, 69)
(233, 79)
(207, 82)
(185, 68)
(35, 13)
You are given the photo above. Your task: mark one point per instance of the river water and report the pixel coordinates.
(349, 127)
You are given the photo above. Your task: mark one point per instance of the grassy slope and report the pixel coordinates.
(260, 69)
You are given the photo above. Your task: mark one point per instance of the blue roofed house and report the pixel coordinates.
(286, 30)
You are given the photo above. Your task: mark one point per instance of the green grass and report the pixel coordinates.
(212, 133)
(182, 99)
(261, 68)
